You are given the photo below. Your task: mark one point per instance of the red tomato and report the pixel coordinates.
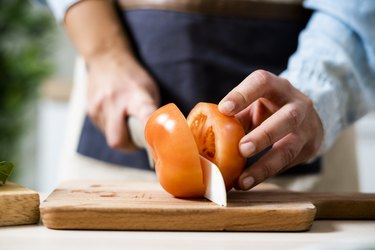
(176, 155)
(176, 144)
(217, 137)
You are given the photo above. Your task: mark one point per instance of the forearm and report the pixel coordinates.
(118, 85)
(96, 31)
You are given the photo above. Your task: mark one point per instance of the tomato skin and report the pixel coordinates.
(176, 144)
(176, 155)
(218, 137)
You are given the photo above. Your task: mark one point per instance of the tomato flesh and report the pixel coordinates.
(204, 136)
(217, 137)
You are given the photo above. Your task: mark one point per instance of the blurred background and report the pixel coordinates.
(36, 76)
(36, 69)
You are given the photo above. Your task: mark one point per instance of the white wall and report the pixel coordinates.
(51, 133)
(52, 116)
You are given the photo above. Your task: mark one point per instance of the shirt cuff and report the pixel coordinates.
(325, 99)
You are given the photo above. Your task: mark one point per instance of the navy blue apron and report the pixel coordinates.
(197, 57)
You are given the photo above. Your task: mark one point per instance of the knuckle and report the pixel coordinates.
(109, 94)
(262, 77)
(289, 153)
(287, 84)
(241, 97)
(267, 137)
(267, 171)
(305, 103)
(294, 117)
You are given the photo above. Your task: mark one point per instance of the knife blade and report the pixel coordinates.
(212, 178)
(214, 182)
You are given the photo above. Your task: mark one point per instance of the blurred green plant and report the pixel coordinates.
(5, 170)
(25, 42)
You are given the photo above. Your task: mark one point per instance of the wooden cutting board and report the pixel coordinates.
(18, 205)
(146, 206)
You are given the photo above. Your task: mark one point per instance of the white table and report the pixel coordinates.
(324, 234)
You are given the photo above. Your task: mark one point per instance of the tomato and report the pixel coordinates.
(217, 137)
(176, 155)
(176, 144)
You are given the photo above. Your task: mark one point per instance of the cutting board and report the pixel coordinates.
(146, 206)
(18, 205)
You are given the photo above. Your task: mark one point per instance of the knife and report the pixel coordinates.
(137, 135)
(212, 177)
(214, 182)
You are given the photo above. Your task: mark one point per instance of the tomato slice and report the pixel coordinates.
(217, 137)
(175, 152)
(176, 144)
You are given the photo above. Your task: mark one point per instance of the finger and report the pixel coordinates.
(116, 130)
(281, 123)
(142, 105)
(95, 112)
(258, 84)
(256, 113)
(237, 186)
(280, 157)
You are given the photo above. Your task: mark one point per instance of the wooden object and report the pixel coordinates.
(18, 205)
(145, 206)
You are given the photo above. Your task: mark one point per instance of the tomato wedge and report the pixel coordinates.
(176, 144)
(217, 137)
(176, 155)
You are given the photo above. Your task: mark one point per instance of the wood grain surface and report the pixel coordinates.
(18, 205)
(145, 206)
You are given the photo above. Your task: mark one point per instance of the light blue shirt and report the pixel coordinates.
(334, 64)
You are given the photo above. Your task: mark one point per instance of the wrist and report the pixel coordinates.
(110, 54)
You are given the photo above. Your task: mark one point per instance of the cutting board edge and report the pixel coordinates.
(25, 213)
(67, 218)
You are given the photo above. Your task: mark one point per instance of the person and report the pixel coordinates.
(322, 59)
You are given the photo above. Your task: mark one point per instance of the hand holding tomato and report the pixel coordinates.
(176, 144)
(276, 114)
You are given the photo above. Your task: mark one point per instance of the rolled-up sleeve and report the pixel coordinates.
(59, 7)
(334, 64)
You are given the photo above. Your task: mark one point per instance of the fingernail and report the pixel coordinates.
(247, 149)
(227, 107)
(247, 182)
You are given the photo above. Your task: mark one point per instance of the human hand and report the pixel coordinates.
(119, 87)
(276, 114)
